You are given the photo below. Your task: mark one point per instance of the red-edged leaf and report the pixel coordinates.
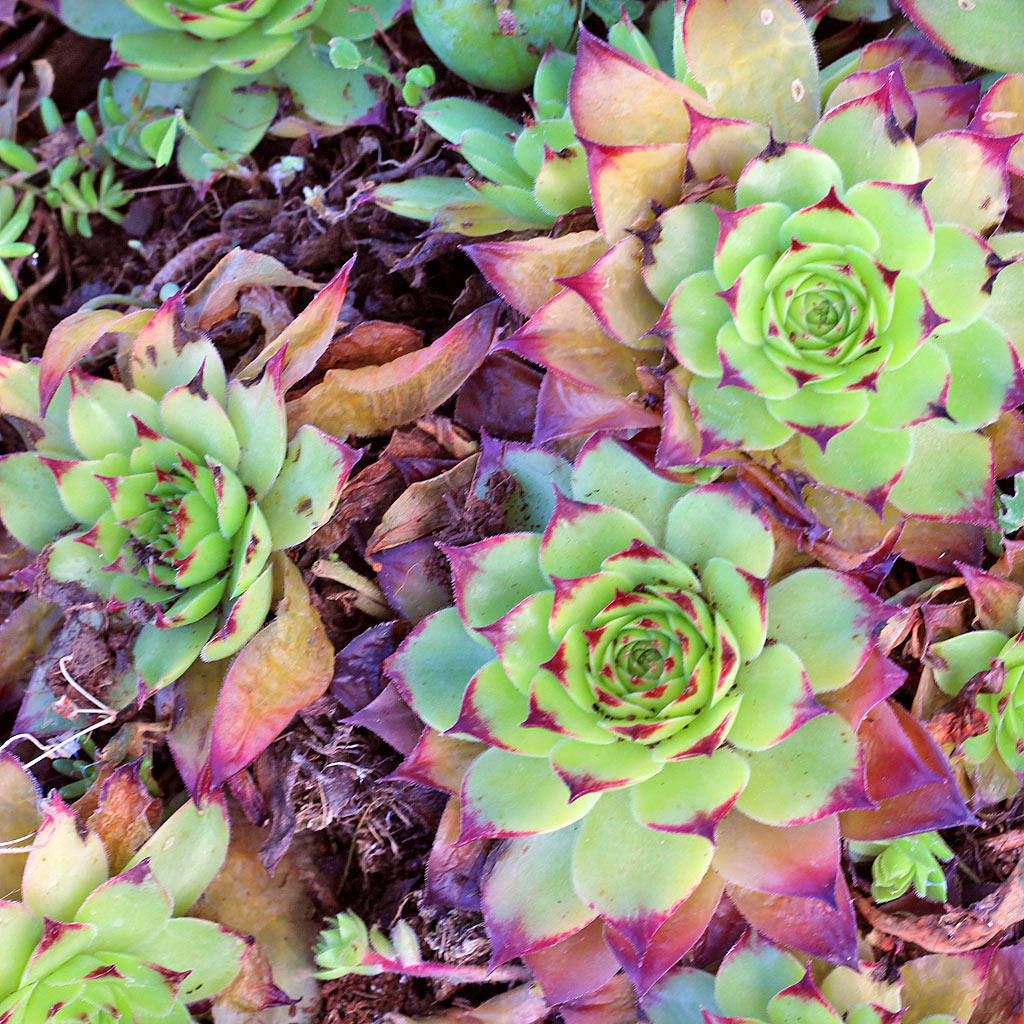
(67, 343)
(306, 338)
(285, 666)
(374, 399)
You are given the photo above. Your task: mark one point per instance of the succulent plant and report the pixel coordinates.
(496, 45)
(534, 173)
(758, 983)
(230, 59)
(674, 723)
(994, 753)
(800, 285)
(83, 946)
(167, 493)
(910, 861)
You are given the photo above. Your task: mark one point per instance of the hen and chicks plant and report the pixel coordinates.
(229, 58)
(820, 292)
(83, 944)
(679, 720)
(166, 493)
(759, 983)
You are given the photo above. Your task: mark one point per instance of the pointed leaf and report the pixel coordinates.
(306, 338)
(528, 897)
(127, 909)
(306, 490)
(540, 803)
(62, 868)
(203, 834)
(209, 953)
(373, 399)
(284, 667)
(632, 875)
(814, 772)
(256, 411)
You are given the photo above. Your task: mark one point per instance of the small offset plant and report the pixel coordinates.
(759, 983)
(664, 710)
(167, 494)
(533, 173)
(346, 947)
(994, 754)
(230, 59)
(81, 945)
(897, 865)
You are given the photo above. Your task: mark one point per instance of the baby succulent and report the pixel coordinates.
(994, 753)
(899, 864)
(82, 946)
(675, 724)
(807, 298)
(166, 493)
(534, 173)
(237, 53)
(495, 44)
(759, 983)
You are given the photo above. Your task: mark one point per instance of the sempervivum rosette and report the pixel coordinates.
(827, 302)
(758, 983)
(649, 721)
(88, 945)
(168, 496)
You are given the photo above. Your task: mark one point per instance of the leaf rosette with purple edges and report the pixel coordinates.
(648, 720)
(830, 299)
(167, 496)
(759, 983)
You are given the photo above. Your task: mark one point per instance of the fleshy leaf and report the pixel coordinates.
(649, 876)
(528, 896)
(755, 60)
(305, 492)
(813, 772)
(203, 832)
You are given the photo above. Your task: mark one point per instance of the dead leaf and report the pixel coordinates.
(276, 912)
(374, 399)
(24, 638)
(961, 718)
(215, 298)
(371, 343)
(422, 509)
(306, 337)
(522, 1005)
(286, 665)
(71, 339)
(125, 814)
(454, 873)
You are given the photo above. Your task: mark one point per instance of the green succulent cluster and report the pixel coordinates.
(82, 947)
(170, 494)
(996, 751)
(229, 58)
(911, 861)
(661, 706)
(759, 983)
(531, 174)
